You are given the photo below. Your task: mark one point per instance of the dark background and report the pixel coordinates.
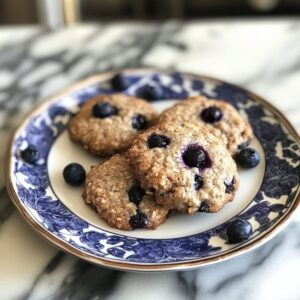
(26, 11)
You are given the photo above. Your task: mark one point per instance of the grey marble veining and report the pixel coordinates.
(264, 56)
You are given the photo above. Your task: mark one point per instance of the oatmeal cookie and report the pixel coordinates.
(217, 114)
(186, 166)
(116, 195)
(107, 124)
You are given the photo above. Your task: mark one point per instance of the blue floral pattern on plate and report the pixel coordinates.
(31, 182)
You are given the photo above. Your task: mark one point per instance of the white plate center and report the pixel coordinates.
(64, 152)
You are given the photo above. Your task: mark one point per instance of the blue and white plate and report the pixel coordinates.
(267, 197)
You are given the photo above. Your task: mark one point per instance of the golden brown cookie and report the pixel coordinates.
(217, 114)
(186, 166)
(107, 124)
(114, 192)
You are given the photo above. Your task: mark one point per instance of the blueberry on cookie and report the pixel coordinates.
(114, 192)
(186, 166)
(104, 110)
(211, 114)
(107, 124)
(219, 115)
(194, 156)
(139, 122)
(158, 141)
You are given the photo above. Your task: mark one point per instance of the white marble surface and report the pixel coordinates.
(261, 55)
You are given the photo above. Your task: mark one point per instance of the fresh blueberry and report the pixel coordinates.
(238, 231)
(104, 110)
(139, 122)
(120, 82)
(158, 141)
(139, 220)
(152, 93)
(196, 157)
(74, 174)
(136, 194)
(198, 183)
(230, 185)
(248, 158)
(204, 207)
(30, 154)
(211, 114)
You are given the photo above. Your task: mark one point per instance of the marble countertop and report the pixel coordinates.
(262, 55)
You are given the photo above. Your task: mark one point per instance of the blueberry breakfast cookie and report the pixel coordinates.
(113, 191)
(217, 114)
(107, 124)
(186, 166)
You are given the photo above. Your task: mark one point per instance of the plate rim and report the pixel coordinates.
(105, 262)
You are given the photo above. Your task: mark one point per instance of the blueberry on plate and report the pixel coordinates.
(158, 141)
(211, 114)
(248, 158)
(136, 194)
(74, 174)
(152, 93)
(104, 110)
(120, 82)
(30, 154)
(238, 231)
(139, 122)
(139, 220)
